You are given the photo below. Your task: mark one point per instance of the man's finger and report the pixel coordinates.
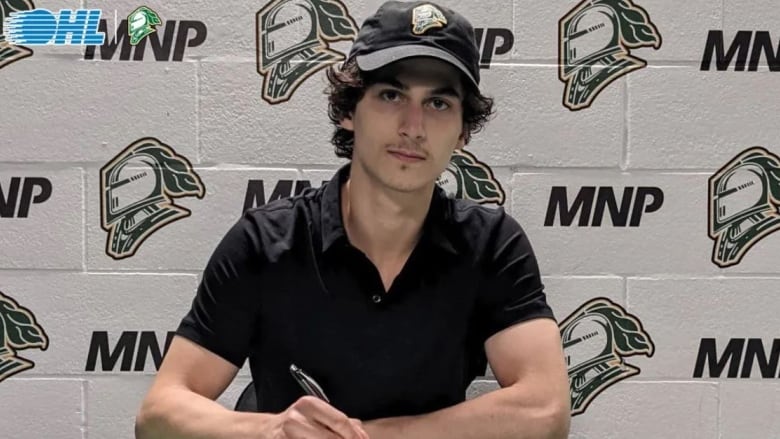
(327, 415)
(307, 428)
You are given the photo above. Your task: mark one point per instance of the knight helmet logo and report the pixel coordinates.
(292, 42)
(466, 177)
(141, 23)
(18, 330)
(426, 17)
(596, 338)
(594, 43)
(744, 196)
(9, 52)
(137, 191)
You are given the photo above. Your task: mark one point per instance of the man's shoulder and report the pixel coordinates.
(481, 228)
(469, 214)
(281, 225)
(302, 203)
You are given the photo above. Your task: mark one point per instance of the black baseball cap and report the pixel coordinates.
(400, 30)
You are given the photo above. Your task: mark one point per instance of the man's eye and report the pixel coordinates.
(389, 95)
(440, 104)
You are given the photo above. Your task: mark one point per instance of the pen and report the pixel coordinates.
(307, 383)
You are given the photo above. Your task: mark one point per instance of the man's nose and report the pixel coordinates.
(413, 121)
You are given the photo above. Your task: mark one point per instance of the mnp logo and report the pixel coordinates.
(39, 27)
(145, 35)
(744, 196)
(466, 177)
(18, 331)
(596, 339)
(130, 352)
(293, 39)
(137, 192)
(602, 201)
(740, 48)
(23, 192)
(752, 354)
(595, 42)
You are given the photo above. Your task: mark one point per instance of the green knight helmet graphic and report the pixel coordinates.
(137, 191)
(292, 42)
(141, 23)
(595, 338)
(9, 52)
(744, 196)
(466, 177)
(18, 331)
(595, 39)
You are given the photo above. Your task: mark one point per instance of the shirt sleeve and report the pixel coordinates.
(512, 291)
(223, 314)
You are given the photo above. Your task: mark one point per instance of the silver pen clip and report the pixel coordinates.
(307, 383)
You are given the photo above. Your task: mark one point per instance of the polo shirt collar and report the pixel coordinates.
(435, 227)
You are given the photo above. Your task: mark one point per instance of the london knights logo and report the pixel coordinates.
(595, 41)
(293, 39)
(10, 52)
(744, 197)
(138, 188)
(18, 331)
(466, 177)
(596, 339)
(141, 23)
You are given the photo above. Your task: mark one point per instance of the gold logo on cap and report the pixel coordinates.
(426, 17)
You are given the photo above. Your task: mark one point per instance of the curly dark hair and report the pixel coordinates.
(347, 84)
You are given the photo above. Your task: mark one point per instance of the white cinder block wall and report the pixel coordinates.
(692, 345)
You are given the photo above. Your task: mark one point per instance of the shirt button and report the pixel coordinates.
(376, 298)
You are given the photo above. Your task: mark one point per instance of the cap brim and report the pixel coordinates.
(383, 57)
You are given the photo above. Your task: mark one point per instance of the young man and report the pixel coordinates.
(390, 294)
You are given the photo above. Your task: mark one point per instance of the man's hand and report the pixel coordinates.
(312, 418)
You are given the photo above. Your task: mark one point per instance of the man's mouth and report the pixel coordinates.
(406, 156)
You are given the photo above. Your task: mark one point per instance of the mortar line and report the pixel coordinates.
(84, 220)
(84, 407)
(624, 149)
(198, 146)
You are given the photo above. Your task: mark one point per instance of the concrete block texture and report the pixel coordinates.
(41, 224)
(685, 118)
(43, 407)
(757, 16)
(240, 127)
(650, 410)
(99, 324)
(680, 314)
(531, 127)
(749, 408)
(85, 109)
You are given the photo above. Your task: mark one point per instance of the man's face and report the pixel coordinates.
(408, 124)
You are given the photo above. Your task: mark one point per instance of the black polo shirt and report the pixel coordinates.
(286, 286)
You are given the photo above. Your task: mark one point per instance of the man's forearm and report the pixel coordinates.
(179, 413)
(501, 414)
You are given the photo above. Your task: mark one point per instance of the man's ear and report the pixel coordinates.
(347, 123)
(461, 139)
